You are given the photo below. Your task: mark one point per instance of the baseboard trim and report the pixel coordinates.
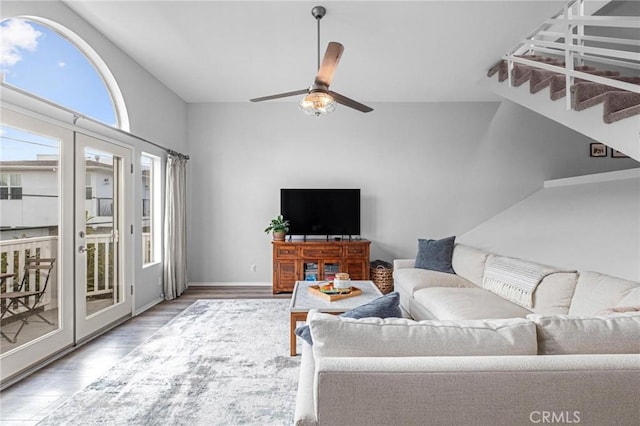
(231, 284)
(594, 178)
(147, 306)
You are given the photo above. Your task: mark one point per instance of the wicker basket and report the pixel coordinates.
(382, 277)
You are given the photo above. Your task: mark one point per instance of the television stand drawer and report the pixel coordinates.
(287, 252)
(321, 252)
(359, 251)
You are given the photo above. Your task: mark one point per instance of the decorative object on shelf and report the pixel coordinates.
(341, 281)
(617, 154)
(328, 288)
(319, 100)
(325, 293)
(278, 227)
(381, 274)
(597, 149)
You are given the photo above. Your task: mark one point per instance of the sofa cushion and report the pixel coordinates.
(554, 293)
(619, 309)
(435, 254)
(607, 334)
(407, 281)
(631, 299)
(468, 262)
(411, 279)
(467, 304)
(595, 292)
(387, 306)
(347, 337)
(630, 303)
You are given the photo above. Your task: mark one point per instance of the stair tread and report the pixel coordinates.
(618, 103)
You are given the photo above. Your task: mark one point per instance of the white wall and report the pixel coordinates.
(155, 113)
(584, 226)
(425, 170)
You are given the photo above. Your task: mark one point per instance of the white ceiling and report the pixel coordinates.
(231, 51)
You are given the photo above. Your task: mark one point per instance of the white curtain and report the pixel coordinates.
(175, 227)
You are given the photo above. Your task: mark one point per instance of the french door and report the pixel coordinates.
(64, 196)
(36, 220)
(103, 239)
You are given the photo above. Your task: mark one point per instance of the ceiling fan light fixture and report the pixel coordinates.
(317, 103)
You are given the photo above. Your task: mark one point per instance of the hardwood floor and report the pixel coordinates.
(30, 400)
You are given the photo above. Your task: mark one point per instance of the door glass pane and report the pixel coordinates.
(102, 287)
(29, 224)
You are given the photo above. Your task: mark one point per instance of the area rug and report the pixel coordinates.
(219, 362)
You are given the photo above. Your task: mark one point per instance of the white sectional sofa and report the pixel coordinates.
(427, 294)
(563, 360)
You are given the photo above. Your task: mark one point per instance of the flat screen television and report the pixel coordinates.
(321, 211)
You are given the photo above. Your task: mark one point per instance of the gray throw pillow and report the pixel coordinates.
(435, 254)
(387, 306)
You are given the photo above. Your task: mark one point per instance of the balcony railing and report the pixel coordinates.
(99, 274)
(99, 264)
(12, 260)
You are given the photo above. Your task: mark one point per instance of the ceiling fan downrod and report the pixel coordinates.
(318, 12)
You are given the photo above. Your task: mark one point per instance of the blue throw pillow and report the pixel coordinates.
(435, 254)
(387, 306)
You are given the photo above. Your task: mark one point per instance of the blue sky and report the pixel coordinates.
(19, 145)
(39, 60)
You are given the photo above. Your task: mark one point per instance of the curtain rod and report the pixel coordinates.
(177, 154)
(77, 116)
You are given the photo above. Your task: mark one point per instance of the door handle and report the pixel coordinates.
(82, 249)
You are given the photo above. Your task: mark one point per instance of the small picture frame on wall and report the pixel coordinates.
(617, 154)
(597, 149)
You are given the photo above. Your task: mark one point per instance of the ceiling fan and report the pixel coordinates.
(319, 100)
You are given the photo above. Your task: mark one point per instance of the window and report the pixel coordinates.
(10, 186)
(150, 172)
(88, 190)
(46, 59)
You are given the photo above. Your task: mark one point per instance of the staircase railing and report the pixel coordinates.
(563, 36)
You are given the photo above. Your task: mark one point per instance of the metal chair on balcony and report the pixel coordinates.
(27, 295)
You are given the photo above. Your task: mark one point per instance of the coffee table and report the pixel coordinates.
(302, 301)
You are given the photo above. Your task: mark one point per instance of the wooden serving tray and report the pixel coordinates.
(315, 290)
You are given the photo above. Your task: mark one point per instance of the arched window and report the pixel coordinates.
(46, 59)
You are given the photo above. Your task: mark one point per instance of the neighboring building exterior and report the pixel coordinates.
(29, 197)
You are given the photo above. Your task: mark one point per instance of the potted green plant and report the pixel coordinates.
(278, 227)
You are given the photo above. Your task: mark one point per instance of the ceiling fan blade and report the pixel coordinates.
(349, 102)
(329, 63)
(280, 95)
